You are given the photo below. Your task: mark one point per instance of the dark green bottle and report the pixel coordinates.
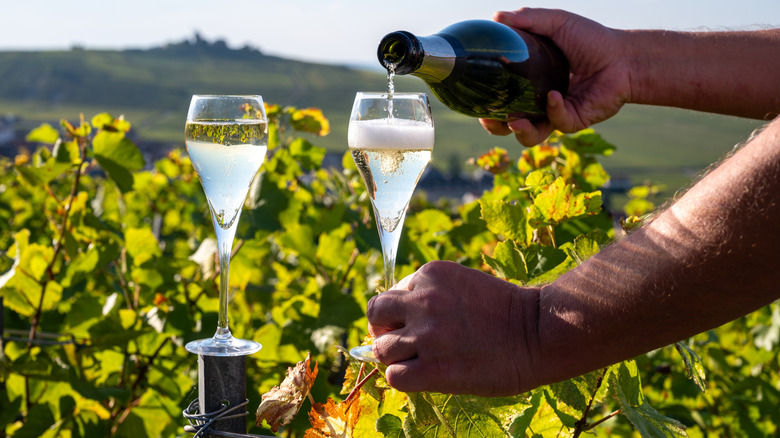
(481, 68)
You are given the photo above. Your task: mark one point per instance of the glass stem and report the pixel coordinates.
(389, 258)
(389, 240)
(224, 248)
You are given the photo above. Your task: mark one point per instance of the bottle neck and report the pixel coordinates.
(431, 58)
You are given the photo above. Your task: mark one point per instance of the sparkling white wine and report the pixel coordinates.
(481, 68)
(226, 156)
(391, 155)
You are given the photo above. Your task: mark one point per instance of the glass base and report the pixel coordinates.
(223, 347)
(363, 353)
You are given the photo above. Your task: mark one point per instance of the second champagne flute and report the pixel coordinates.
(226, 139)
(391, 139)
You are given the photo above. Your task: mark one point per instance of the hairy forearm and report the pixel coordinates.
(731, 73)
(707, 259)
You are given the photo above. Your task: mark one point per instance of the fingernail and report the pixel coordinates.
(552, 103)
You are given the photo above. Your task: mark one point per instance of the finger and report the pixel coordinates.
(556, 110)
(495, 127)
(414, 375)
(407, 376)
(394, 346)
(537, 20)
(529, 134)
(385, 312)
(405, 283)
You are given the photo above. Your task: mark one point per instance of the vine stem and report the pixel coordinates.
(582, 424)
(60, 240)
(551, 230)
(361, 371)
(141, 375)
(351, 263)
(607, 417)
(236, 248)
(120, 276)
(360, 384)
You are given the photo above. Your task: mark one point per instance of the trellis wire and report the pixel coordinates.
(200, 424)
(42, 338)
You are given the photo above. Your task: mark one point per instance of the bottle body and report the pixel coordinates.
(481, 68)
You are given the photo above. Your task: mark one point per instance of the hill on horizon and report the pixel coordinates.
(152, 88)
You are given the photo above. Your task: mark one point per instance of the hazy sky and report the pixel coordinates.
(333, 31)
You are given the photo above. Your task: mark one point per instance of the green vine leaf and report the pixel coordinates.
(38, 428)
(544, 421)
(43, 134)
(338, 308)
(588, 141)
(390, 426)
(445, 415)
(508, 261)
(585, 246)
(693, 365)
(574, 392)
(566, 414)
(123, 299)
(45, 167)
(638, 207)
(108, 332)
(538, 180)
(593, 174)
(118, 156)
(308, 155)
(141, 245)
(505, 219)
(648, 421)
(521, 423)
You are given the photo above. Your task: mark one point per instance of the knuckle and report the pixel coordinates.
(436, 269)
(379, 349)
(372, 310)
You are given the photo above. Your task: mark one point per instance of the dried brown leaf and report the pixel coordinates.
(279, 405)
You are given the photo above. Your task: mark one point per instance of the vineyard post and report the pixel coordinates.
(222, 381)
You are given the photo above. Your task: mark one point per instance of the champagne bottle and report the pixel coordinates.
(481, 68)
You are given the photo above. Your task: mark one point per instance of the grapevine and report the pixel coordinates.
(107, 270)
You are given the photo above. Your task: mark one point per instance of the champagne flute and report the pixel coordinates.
(226, 139)
(391, 140)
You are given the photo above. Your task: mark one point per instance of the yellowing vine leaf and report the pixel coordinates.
(561, 201)
(331, 420)
(495, 161)
(43, 134)
(310, 120)
(537, 157)
(279, 405)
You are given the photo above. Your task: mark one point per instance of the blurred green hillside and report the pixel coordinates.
(153, 88)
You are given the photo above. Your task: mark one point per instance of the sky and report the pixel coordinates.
(326, 31)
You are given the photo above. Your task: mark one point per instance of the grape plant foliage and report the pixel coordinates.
(107, 268)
